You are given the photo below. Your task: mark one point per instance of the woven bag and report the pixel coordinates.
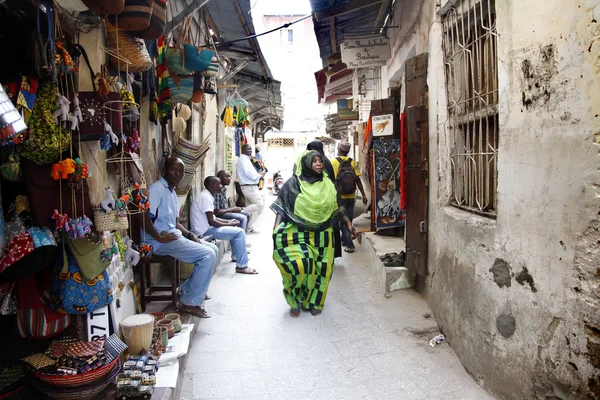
(135, 16)
(129, 47)
(176, 61)
(158, 21)
(110, 221)
(213, 68)
(181, 88)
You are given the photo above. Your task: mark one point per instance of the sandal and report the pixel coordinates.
(196, 311)
(246, 271)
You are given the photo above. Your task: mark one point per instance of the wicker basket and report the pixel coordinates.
(110, 221)
(130, 48)
(83, 379)
(78, 392)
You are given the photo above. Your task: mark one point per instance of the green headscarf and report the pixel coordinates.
(306, 199)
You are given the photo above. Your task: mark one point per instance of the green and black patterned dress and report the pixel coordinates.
(303, 242)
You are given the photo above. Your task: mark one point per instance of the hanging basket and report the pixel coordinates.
(105, 7)
(130, 48)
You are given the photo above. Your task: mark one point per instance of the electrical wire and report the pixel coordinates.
(265, 33)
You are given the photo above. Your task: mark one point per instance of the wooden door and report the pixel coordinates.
(417, 164)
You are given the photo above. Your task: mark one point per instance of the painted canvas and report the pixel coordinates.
(386, 172)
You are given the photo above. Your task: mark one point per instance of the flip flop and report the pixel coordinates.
(246, 271)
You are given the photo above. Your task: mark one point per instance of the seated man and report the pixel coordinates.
(204, 222)
(222, 209)
(169, 238)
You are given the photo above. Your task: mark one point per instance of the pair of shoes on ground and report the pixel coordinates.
(295, 312)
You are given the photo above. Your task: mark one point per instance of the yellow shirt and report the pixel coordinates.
(336, 165)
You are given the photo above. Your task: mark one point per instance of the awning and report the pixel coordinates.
(231, 20)
(334, 83)
(335, 19)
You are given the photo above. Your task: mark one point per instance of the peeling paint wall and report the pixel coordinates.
(518, 297)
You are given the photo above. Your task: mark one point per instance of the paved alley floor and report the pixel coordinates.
(363, 346)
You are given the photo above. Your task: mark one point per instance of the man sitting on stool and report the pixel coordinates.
(222, 209)
(204, 222)
(169, 238)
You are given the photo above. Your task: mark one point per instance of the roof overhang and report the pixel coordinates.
(334, 82)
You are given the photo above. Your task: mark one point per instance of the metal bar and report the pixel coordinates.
(251, 41)
(237, 69)
(176, 20)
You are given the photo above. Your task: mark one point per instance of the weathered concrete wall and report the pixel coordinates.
(518, 297)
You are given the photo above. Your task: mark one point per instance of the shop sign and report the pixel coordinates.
(383, 125)
(97, 323)
(366, 52)
(345, 112)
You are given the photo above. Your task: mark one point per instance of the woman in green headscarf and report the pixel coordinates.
(307, 209)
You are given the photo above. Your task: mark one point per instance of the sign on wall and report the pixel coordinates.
(366, 52)
(383, 125)
(345, 111)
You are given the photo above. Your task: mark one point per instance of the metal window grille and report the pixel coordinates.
(471, 65)
(280, 142)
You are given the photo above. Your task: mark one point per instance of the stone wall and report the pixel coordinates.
(518, 296)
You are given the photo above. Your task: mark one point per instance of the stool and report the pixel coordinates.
(147, 288)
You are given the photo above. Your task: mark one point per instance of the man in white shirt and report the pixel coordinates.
(204, 223)
(248, 179)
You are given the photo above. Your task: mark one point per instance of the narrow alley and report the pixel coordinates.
(363, 346)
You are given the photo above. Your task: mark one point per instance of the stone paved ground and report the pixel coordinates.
(363, 346)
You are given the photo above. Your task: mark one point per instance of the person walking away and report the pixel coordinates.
(258, 154)
(347, 177)
(204, 222)
(328, 168)
(222, 209)
(169, 238)
(249, 178)
(306, 210)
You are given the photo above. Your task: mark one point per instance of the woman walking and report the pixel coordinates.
(307, 209)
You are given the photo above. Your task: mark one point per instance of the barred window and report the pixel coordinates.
(471, 64)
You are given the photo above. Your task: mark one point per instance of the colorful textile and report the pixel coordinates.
(308, 200)
(163, 100)
(305, 260)
(39, 361)
(221, 199)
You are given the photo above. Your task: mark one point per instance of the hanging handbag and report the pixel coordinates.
(88, 258)
(158, 21)
(93, 111)
(105, 7)
(72, 293)
(181, 88)
(10, 169)
(110, 221)
(35, 319)
(47, 139)
(126, 46)
(198, 88)
(210, 85)
(213, 68)
(135, 16)
(196, 58)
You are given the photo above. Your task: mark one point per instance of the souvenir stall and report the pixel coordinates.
(68, 293)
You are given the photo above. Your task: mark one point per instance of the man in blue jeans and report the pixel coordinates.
(204, 222)
(169, 238)
(222, 209)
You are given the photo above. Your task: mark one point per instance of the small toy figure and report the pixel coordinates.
(62, 221)
(132, 257)
(62, 110)
(108, 203)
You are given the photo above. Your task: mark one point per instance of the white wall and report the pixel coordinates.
(548, 204)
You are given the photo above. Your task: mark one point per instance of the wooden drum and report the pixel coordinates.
(137, 332)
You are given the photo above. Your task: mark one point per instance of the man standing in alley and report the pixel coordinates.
(205, 223)
(347, 178)
(169, 238)
(258, 154)
(249, 180)
(222, 209)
